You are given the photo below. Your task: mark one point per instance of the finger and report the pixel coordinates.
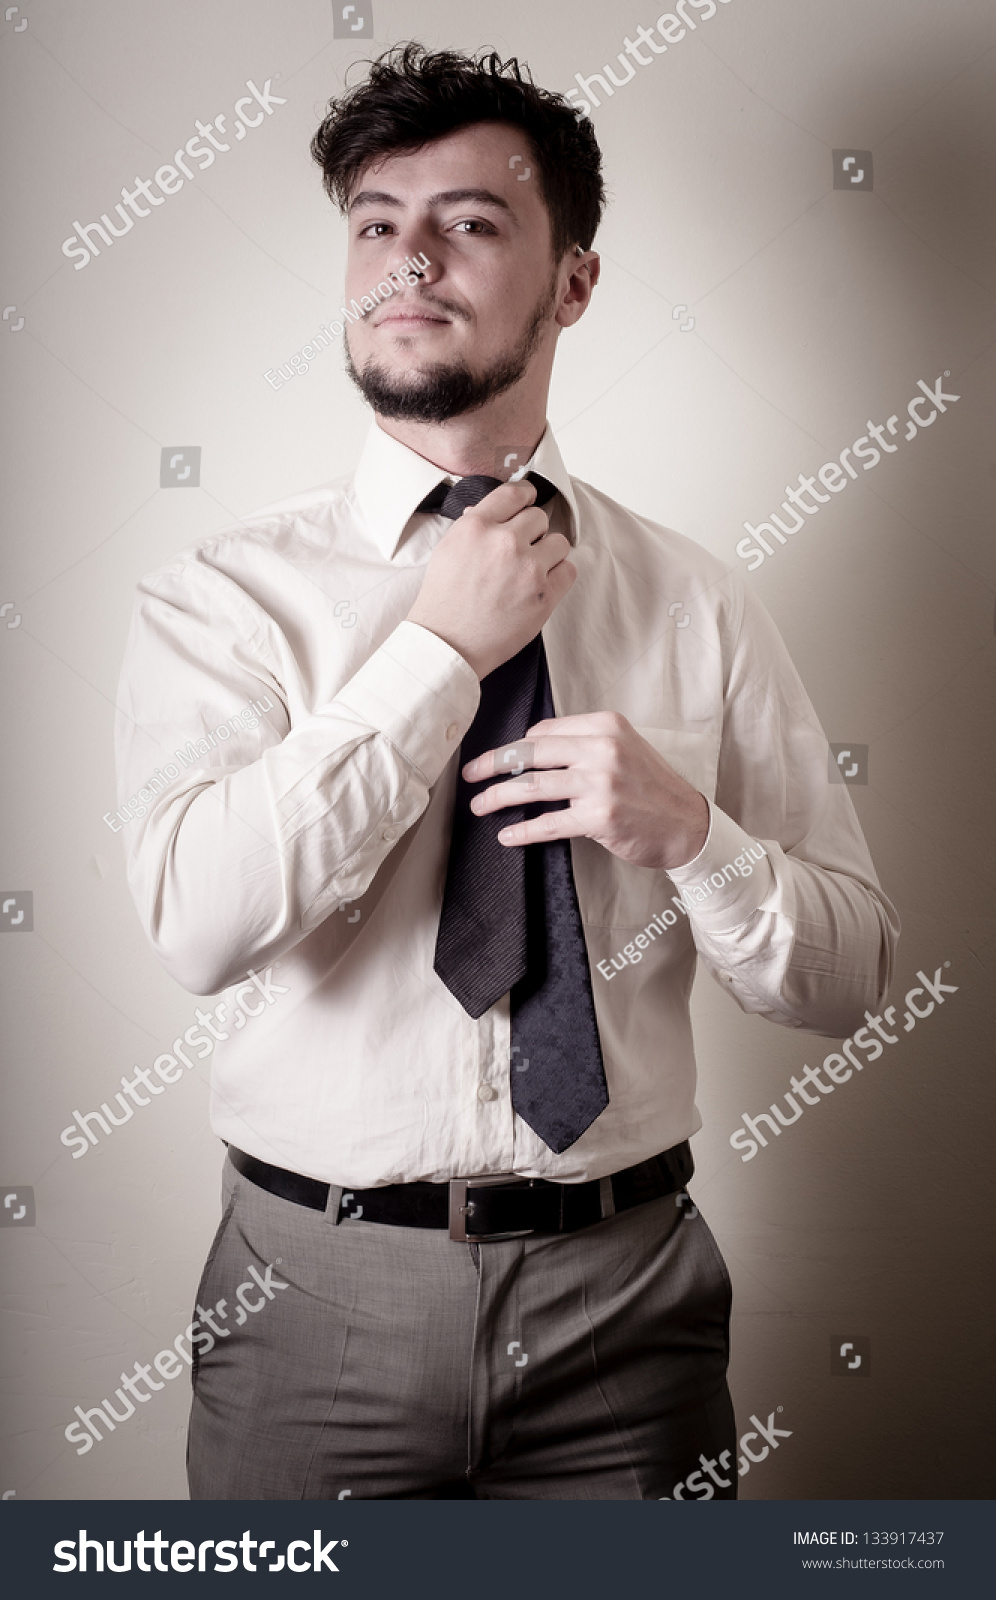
(503, 503)
(509, 760)
(531, 789)
(540, 830)
(552, 550)
(531, 526)
(588, 724)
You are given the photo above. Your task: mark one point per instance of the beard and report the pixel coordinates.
(442, 390)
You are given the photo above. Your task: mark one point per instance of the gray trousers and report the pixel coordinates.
(383, 1363)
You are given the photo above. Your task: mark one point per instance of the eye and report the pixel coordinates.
(473, 223)
(369, 232)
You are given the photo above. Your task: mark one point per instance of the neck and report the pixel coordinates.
(473, 443)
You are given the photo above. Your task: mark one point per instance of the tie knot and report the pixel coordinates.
(453, 500)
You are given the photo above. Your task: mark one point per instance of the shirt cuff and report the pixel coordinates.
(420, 693)
(728, 880)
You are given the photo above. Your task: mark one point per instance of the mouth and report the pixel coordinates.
(403, 321)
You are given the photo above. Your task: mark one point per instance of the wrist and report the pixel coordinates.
(687, 840)
(479, 668)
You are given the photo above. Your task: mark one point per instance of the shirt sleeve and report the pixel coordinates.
(803, 933)
(244, 826)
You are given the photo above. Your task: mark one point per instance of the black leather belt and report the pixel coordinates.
(495, 1206)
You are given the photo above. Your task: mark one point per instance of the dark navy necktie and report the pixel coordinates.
(510, 919)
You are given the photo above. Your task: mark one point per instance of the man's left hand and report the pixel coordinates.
(622, 793)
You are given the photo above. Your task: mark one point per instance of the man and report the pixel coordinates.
(504, 798)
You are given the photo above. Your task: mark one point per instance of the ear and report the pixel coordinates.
(582, 268)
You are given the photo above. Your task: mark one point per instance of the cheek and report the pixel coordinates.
(497, 300)
(361, 277)
(509, 310)
(360, 281)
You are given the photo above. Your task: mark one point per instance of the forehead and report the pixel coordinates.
(492, 156)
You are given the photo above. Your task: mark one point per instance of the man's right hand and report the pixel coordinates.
(494, 578)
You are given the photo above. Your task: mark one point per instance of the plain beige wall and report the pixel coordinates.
(814, 310)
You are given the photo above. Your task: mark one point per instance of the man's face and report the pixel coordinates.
(483, 314)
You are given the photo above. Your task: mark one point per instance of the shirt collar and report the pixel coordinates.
(391, 479)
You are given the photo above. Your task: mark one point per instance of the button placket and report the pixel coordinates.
(500, 1040)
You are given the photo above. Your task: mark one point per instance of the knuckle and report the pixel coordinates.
(605, 793)
(608, 750)
(609, 812)
(562, 579)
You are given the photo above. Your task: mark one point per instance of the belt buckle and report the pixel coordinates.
(462, 1210)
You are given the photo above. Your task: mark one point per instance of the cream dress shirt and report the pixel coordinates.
(311, 847)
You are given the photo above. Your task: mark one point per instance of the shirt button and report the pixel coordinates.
(487, 1092)
(453, 730)
(389, 834)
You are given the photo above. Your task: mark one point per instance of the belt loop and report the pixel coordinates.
(332, 1206)
(607, 1198)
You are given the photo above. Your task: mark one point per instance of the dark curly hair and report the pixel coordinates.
(414, 95)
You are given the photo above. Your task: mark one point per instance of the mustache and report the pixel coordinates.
(429, 301)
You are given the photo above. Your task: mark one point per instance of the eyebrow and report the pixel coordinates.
(482, 197)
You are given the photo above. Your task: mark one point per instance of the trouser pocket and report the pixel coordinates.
(202, 1287)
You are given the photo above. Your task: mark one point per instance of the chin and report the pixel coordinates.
(407, 368)
(399, 339)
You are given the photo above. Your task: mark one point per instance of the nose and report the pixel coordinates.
(419, 258)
